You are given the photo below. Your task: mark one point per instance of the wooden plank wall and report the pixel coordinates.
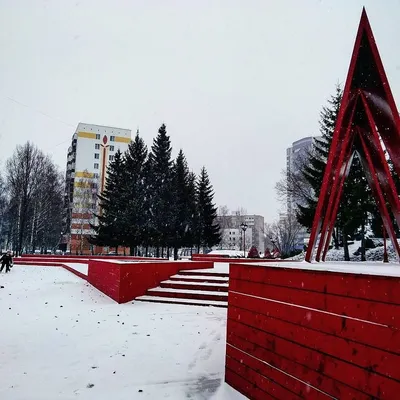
(303, 334)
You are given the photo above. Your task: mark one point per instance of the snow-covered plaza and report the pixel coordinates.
(63, 339)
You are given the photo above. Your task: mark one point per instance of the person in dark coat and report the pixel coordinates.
(6, 260)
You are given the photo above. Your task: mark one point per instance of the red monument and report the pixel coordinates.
(367, 117)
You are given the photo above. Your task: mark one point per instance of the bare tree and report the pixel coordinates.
(293, 187)
(23, 170)
(85, 207)
(283, 233)
(46, 217)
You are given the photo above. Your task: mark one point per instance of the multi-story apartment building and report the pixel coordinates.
(233, 236)
(91, 150)
(296, 156)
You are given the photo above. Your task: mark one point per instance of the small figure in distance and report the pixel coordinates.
(6, 260)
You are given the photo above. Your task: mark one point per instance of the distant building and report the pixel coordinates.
(296, 155)
(91, 150)
(233, 236)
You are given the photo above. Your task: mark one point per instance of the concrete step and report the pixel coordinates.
(174, 300)
(199, 278)
(215, 287)
(188, 294)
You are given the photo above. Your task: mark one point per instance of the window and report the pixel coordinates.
(97, 146)
(112, 138)
(96, 156)
(111, 158)
(96, 166)
(111, 148)
(97, 136)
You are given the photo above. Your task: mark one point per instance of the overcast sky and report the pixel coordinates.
(236, 82)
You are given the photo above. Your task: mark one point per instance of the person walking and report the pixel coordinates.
(6, 261)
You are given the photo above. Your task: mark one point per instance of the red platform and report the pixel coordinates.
(301, 333)
(124, 281)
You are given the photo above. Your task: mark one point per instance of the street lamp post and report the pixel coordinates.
(244, 227)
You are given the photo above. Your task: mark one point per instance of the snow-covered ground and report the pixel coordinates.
(62, 339)
(80, 267)
(375, 254)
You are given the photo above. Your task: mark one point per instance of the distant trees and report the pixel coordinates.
(153, 201)
(31, 201)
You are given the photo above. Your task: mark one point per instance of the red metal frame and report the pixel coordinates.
(367, 115)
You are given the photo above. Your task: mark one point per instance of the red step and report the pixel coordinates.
(188, 294)
(204, 272)
(192, 287)
(199, 278)
(221, 287)
(176, 300)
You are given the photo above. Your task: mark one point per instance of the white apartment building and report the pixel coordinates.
(92, 148)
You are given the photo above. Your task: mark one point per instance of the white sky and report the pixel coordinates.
(236, 82)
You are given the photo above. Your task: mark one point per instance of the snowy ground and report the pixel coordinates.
(62, 339)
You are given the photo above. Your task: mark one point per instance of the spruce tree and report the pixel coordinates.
(208, 228)
(356, 201)
(160, 189)
(109, 230)
(181, 211)
(135, 194)
(193, 227)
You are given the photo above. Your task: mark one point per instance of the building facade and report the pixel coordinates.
(296, 156)
(233, 237)
(92, 148)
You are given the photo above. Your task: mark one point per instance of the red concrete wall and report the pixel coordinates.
(72, 258)
(125, 281)
(106, 277)
(296, 333)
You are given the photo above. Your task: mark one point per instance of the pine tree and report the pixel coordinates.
(208, 229)
(160, 191)
(135, 194)
(111, 219)
(193, 227)
(181, 211)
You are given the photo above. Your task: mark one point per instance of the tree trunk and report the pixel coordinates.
(363, 258)
(175, 253)
(335, 238)
(345, 246)
(147, 250)
(168, 252)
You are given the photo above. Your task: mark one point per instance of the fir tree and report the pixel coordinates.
(160, 189)
(109, 231)
(193, 227)
(135, 194)
(208, 228)
(181, 211)
(356, 201)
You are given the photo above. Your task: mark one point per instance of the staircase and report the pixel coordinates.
(193, 287)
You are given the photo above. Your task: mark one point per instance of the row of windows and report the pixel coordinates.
(96, 165)
(97, 156)
(97, 147)
(112, 138)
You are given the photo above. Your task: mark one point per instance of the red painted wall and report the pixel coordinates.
(125, 281)
(296, 333)
(72, 258)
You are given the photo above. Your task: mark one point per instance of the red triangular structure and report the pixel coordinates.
(367, 116)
